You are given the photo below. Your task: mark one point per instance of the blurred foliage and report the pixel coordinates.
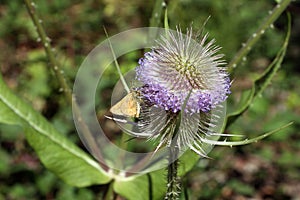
(267, 169)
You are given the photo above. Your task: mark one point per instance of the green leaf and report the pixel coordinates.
(244, 103)
(260, 84)
(56, 152)
(187, 161)
(153, 185)
(146, 187)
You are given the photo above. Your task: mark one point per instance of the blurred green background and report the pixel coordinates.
(268, 169)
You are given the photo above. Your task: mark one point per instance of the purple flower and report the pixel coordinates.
(177, 66)
(180, 75)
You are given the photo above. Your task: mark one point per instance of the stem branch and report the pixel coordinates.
(61, 79)
(46, 43)
(269, 20)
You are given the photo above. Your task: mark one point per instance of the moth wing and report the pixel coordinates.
(116, 109)
(128, 106)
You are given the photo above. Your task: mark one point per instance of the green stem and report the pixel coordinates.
(155, 20)
(157, 12)
(173, 186)
(274, 14)
(46, 43)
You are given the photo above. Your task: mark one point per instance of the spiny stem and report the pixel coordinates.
(156, 13)
(155, 19)
(274, 14)
(46, 43)
(30, 5)
(173, 186)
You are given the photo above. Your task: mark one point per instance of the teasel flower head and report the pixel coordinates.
(180, 75)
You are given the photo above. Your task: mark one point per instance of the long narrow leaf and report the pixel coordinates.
(247, 141)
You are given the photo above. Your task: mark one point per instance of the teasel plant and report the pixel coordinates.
(185, 76)
(186, 79)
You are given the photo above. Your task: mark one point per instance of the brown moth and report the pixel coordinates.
(128, 106)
